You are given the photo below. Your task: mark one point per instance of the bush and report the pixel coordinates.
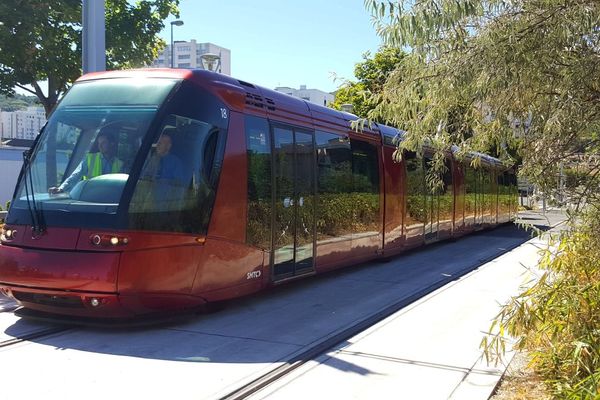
(558, 319)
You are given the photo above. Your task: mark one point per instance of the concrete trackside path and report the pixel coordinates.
(428, 350)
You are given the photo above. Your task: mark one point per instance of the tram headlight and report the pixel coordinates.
(101, 240)
(96, 240)
(7, 234)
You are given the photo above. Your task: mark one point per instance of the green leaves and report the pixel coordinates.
(518, 79)
(558, 318)
(372, 73)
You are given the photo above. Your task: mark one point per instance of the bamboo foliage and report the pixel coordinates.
(557, 319)
(520, 78)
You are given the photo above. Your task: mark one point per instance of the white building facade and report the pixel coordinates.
(313, 95)
(11, 160)
(22, 124)
(195, 55)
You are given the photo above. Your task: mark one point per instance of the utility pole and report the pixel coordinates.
(93, 56)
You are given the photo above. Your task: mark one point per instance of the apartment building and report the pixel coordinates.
(313, 95)
(195, 55)
(22, 124)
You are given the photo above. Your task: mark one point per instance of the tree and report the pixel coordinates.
(517, 74)
(41, 40)
(372, 74)
(17, 102)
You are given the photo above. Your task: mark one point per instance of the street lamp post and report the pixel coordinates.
(177, 22)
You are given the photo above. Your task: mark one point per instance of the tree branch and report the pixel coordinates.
(26, 89)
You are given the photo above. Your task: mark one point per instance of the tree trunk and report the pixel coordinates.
(50, 101)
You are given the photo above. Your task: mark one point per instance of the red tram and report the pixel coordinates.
(252, 189)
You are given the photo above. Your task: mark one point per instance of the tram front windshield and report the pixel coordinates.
(96, 157)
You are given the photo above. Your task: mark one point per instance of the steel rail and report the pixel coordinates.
(323, 346)
(33, 335)
(9, 308)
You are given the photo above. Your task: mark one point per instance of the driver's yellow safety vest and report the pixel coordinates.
(94, 164)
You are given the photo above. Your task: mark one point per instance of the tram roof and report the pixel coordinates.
(259, 100)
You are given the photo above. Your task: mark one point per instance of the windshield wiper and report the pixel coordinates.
(37, 217)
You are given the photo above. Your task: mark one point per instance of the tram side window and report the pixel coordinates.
(507, 196)
(334, 160)
(470, 191)
(512, 187)
(446, 209)
(487, 191)
(365, 182)
(177, 184)
(54, 156)
(499, 179)
(258, 145)
(415, 184)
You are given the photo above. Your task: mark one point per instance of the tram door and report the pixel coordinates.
(294, 183)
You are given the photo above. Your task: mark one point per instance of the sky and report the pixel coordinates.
(282, 42)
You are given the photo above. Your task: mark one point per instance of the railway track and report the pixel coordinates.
(8, 308)
(33, 335)
(323, 346)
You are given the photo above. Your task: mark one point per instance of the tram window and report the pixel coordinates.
(365, 182)
(470, 191)
(55, 156)
(446, 202)
(71, 145)
(258, 145)
(176, 188)
(512, 187)
(334, 160)
(507, 193)
(415, 183)
(486, 190)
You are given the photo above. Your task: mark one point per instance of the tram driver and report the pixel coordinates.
(102, 162)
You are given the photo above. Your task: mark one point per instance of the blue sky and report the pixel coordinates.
(282, 42)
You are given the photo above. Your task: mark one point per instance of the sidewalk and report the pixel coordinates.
(429, 350)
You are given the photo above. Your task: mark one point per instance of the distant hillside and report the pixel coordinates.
(18, 102)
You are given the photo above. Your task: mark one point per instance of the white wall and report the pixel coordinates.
(313, 95)
(11, 160)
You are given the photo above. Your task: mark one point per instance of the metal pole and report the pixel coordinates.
(93, 57)
(171, 45)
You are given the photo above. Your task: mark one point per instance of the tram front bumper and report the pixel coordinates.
(62, 282)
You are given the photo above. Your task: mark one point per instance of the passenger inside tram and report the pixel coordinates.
(162, 165)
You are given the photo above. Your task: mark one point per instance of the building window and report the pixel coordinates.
(183, 65)
(183, 57)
